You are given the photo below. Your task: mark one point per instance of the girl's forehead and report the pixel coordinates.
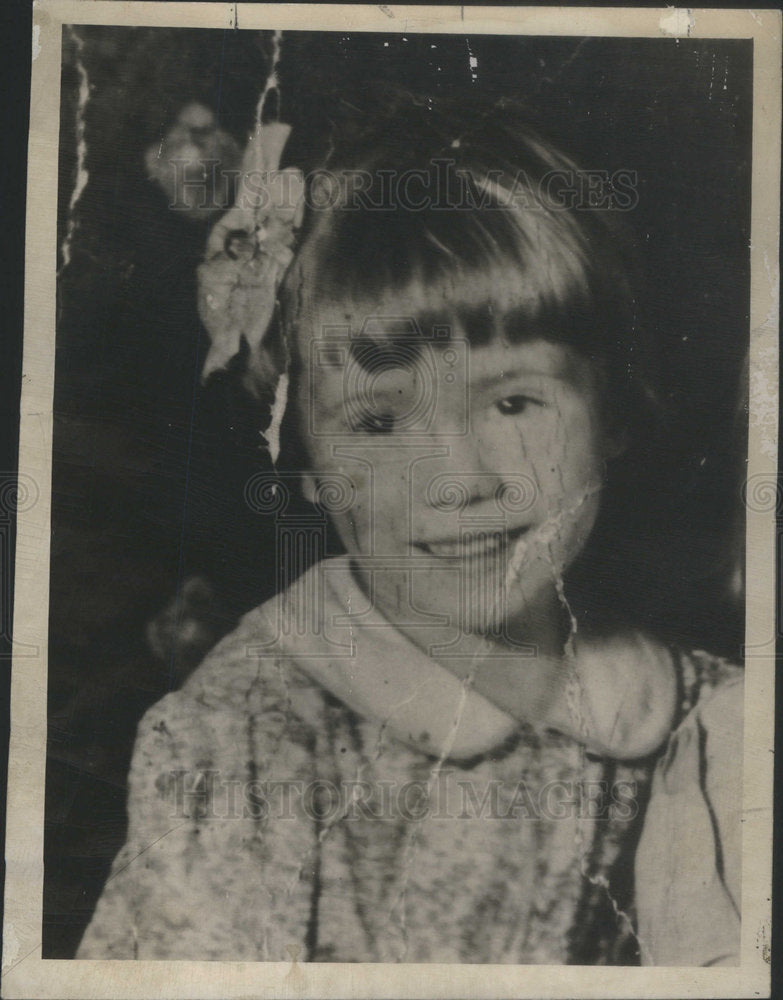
(452, 305)
(502, 360)
(338, 345)
(401, 322)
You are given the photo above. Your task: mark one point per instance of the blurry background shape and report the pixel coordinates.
(196, 163)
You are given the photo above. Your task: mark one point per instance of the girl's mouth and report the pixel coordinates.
(473, 542)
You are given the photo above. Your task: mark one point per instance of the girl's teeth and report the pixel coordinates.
(468, 546)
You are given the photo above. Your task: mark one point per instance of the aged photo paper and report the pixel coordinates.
(397, 503)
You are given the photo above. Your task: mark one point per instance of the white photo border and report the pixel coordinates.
(25, 973)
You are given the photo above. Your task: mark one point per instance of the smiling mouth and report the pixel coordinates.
(472, 543)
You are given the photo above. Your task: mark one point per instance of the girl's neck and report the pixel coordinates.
(539, 630)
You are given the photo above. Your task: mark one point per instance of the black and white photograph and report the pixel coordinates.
(404, 504)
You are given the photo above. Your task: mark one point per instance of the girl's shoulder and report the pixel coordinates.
(254, 664)
(688, 862)
(702, 676)
(704, 750)
(247, 689)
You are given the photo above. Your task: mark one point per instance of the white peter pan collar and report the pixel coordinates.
(627, 682)
(362, 659)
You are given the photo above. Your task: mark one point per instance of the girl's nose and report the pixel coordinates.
(470, 453)
(457, 491)
(465, 476)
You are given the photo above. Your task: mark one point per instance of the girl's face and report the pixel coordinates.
(475, 471)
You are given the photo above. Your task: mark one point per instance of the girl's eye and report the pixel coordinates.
(510, 406)
(375, 423)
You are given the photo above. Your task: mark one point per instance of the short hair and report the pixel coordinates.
(491, 248)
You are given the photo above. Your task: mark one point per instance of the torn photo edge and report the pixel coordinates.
(25, 973)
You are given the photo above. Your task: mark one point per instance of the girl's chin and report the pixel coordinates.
(485, 595)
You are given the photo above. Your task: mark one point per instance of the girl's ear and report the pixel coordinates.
(308, 487)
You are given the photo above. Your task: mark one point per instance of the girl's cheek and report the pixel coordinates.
(578, 437)
(564, 463)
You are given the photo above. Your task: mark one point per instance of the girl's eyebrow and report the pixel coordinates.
(560, 374)
(351, 399)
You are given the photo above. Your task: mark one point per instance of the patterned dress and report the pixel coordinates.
(275, 815)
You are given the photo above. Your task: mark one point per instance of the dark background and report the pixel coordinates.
(149, 465)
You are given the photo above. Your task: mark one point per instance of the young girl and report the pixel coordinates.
(435, 747)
